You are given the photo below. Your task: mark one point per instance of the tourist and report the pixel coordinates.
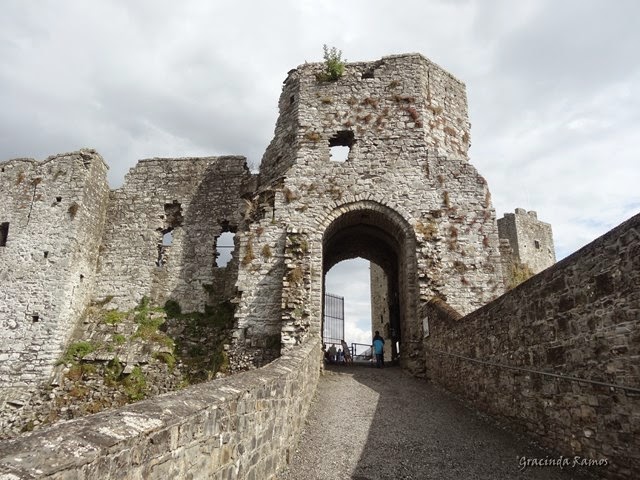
(378, 349)
(347, 353)
(332, 353)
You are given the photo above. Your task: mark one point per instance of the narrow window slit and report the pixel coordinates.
(4, 233)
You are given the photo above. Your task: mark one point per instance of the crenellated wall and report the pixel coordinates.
(530, 239)
(520, 357)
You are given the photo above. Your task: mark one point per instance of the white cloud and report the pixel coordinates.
(350, 279)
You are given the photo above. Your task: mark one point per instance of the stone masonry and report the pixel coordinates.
(556, 357)
(530, 239)
(193, 200)
(54, 212)
(406, 198)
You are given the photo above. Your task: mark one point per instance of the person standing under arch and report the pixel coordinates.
(378, 349)
(347, 353)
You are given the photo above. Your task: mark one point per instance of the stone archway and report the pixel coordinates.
(381, 235)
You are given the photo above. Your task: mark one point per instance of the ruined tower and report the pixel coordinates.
(54, 212)
(530, 239)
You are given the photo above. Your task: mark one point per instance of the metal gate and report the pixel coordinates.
(333, 329)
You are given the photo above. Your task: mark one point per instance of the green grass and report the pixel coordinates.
(113, 317)
(135, 385)
(76, 351)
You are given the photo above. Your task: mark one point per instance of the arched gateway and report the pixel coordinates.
(377, 233)
(405, 197)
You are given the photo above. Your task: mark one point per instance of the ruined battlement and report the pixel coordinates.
(405, 196)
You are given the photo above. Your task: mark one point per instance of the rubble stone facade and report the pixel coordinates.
(54, 213)
(557, 356)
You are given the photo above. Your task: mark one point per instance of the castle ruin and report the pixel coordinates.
(406, 198)
(555, 358)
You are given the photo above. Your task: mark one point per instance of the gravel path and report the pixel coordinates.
(370, 424)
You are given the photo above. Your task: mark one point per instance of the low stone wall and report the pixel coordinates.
(237, 427)
(579, 319)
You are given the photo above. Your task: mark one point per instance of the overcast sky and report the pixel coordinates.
(553, 86)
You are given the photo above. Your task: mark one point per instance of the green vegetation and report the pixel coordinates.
(166, 357)
(135, 385)
(113, 317)
(76, 351)
(201, 361)
(333, 64)
(149, 320)
(518, 273)
(80, 371)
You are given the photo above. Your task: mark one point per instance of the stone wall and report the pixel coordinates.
(238, 427)
(380, 320)
(575, 320)
(189, 202)
(55, 211)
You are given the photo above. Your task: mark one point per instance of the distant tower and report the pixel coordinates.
(531, 240)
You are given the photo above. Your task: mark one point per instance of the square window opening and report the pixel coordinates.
(340, 145)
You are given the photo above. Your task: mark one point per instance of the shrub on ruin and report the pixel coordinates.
(113, 317)
(428, 230)
(333, 64)
(77, 351)
(135, 385)
(295, 276)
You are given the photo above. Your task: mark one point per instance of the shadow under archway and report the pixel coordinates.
(380, 235)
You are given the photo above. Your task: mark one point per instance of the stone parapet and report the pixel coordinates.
(238, 427)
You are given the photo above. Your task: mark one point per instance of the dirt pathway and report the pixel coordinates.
(370, 424)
